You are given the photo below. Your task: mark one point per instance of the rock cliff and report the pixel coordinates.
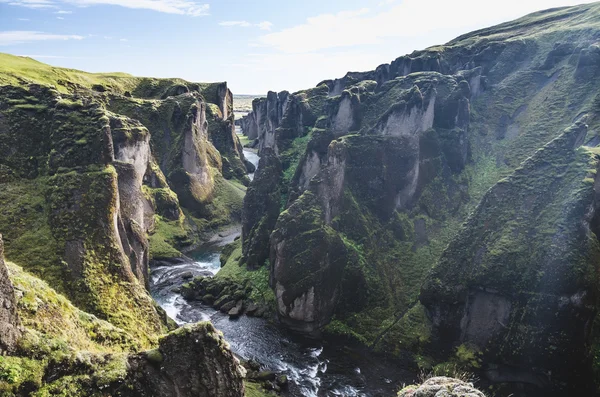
(94, 178)
(382, 168)
(9, 317)
(65, 351)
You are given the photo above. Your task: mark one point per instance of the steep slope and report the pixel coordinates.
(381, 168)
(518, 284)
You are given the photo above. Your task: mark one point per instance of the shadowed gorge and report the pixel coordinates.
(426, 228)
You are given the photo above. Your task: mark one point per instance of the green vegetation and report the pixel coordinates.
(255, 390)
(235, 270)
(21, 71)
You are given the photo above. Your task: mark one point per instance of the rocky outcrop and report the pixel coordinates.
(441, 387)
(249, 126)
(307, 265)
(261, 209)
(9, 318)
(268, 113)
(384, 168)
(221, 132)
(194, 361)
(515, 283)
(279, 118)
(131, 143)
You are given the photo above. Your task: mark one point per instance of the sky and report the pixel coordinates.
(254, 45)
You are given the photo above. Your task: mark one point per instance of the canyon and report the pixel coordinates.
(438, 215)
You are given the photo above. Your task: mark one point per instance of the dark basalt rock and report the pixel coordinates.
(9, 318)
(261, 209)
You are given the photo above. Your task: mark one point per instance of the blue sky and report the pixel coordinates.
(255, 45)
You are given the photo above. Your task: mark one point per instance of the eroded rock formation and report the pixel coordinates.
(9, 318)
(261, 209)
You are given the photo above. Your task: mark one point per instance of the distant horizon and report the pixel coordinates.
(259, 47)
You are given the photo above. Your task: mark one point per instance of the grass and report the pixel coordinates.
(19, 71)
(49, 313)
(257, 279)
(255, 390)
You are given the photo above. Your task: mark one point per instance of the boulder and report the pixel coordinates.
(194, 361)
(441, 387)
(236, 311)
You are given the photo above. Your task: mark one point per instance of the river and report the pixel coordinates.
(314, 368)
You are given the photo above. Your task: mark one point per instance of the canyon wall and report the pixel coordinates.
(388, 235)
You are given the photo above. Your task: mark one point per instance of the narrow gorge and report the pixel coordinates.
(426, 228)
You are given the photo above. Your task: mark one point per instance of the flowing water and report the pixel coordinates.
(314, 368)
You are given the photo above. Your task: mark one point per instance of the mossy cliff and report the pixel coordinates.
(518, 284)
(9, 316)
(99, 174)
(382, 168)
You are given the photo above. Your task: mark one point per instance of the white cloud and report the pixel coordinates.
(409, 18)
(264, 25)
(182, 7)
(27, 36)
(244, 24)
(30, 3)
(59, 18)
(24, 19)
(123, 40)
(63, 12)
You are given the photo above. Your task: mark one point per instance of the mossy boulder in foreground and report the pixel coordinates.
(194, 361)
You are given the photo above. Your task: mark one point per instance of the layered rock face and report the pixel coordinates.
(60, 354)
(9, 318)
(93, 182)
(381, 169)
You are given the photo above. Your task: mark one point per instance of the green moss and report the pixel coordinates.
(258, 279)
(16, 372)
(468, 357)
(225, 207)
(50, 314)
(165, 236)
(256, 390)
